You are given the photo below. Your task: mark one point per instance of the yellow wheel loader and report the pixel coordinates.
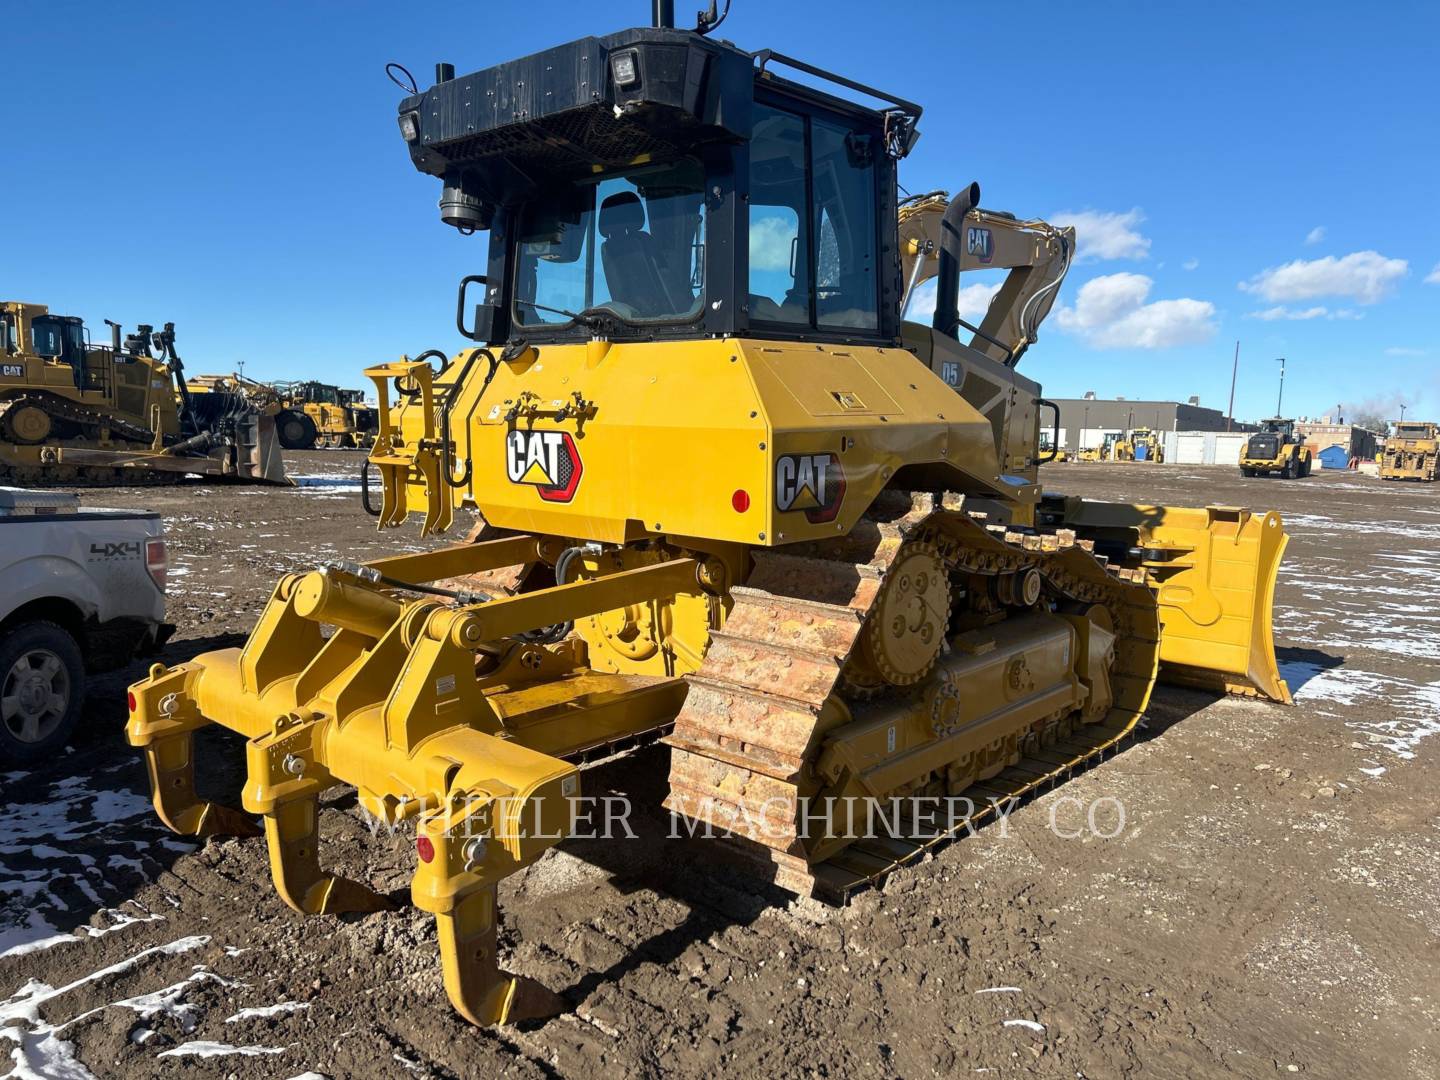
(730, 498)
(319, 414)
(1412, 452)
(1276, 450)
(75, 413)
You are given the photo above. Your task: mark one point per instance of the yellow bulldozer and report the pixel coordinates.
(729, 497)
(1412, 452)
(1276, 450)
(76, 413)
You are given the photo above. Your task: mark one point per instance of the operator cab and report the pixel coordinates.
(61, 338)
(657, 184)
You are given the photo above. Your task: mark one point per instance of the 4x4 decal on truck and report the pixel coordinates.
(547, 460)
(116, 549)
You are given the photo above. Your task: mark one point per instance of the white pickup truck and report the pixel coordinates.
(81, 591)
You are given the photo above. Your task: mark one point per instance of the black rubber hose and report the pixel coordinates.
(413, 394)
(365, 490)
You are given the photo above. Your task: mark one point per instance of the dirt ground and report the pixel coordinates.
(1269, 904)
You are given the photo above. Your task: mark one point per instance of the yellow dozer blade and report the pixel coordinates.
(1213, 570)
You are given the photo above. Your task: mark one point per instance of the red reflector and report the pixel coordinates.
(740, 500)
(424, 848)
(130, 698)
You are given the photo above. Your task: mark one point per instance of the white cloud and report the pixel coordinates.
(1315, 235)
(1402, 350)
(770, 241)
(1364, 276)
(1190, 264)
(974, 301)
(1111, 312)
(1433, 278)
(1271, 314)
(1301, 314)
(1103, 234)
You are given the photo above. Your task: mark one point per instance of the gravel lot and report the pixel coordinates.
(1270, 904)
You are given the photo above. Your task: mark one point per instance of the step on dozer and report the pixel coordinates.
(741, 505)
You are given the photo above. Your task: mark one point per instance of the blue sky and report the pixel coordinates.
(1257, 171)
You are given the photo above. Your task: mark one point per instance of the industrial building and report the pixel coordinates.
(1327, 431)
(1084, 422)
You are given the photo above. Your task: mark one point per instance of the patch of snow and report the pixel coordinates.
(281, 1008)
(203, 1049)
(169, 1001)
(1028, 1024)
(39, 1052)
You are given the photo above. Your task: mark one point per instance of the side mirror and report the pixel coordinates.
(484, 318)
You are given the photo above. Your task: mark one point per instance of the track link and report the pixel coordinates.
(773, 684)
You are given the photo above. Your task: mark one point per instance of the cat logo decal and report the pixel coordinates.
(812, 483)
(549, 461)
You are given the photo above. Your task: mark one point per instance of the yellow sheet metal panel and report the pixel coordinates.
(727, 440)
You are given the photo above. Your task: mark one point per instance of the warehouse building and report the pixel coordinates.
(1327, 431)
(1084, 422)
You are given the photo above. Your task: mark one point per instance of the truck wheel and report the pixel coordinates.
(296, 431)
(42, 688)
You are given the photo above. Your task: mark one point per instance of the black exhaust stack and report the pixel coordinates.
(952, 240)
(662, 14)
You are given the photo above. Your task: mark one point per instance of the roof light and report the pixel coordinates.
(410, 126)
(625, 68)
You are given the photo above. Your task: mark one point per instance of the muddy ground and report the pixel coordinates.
(1270, 903)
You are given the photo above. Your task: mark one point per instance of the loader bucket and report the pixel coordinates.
(1213, 570)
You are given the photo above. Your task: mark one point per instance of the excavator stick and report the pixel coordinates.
(1213, 571)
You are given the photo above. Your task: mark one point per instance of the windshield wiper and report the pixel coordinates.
(593, 317)
(582, 317)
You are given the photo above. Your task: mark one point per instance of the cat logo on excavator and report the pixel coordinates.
(548, 460)
(813, 483)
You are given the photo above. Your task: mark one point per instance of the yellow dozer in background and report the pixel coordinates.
(730, 498)
(1412, 452)
(1276, 450)
(75, 413)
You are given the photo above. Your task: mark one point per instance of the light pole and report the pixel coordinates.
(1278, 400)
(1402, 412)
(1234, 371)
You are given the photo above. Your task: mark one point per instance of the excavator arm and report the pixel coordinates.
(1036, 254)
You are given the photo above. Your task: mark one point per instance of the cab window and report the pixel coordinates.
(632, 245)
(814, 233)
(47, 339)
